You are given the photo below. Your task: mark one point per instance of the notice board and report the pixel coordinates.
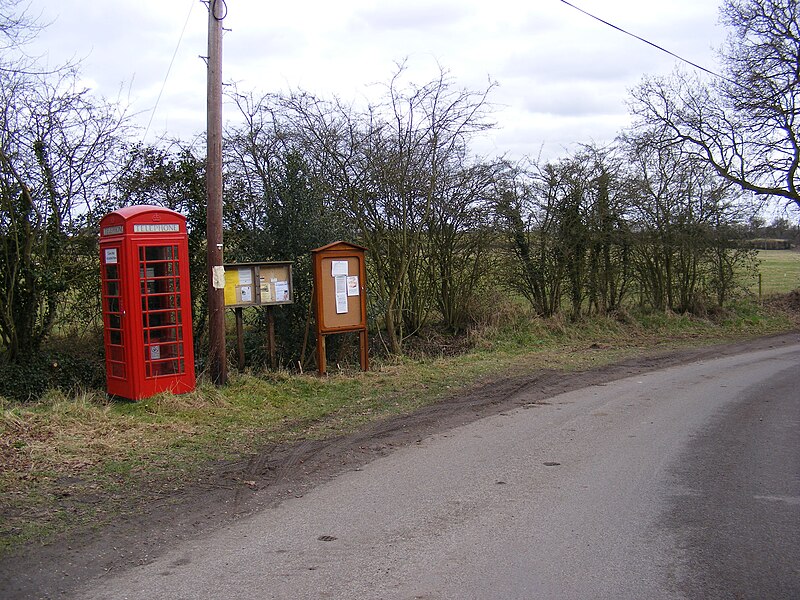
(258, 284)
(340, 294)
(341, 290)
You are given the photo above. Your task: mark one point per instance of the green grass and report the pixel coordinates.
(88, 446)
(780, 272)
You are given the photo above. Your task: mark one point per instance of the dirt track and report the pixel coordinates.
(266, 479)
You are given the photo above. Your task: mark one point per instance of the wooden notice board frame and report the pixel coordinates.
(340, 296)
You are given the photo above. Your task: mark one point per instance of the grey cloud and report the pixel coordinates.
(115, 42)
(571, 100)
(248, 47)
(586, 49)
(423, 16)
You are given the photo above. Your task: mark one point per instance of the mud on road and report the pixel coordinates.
(233, 490)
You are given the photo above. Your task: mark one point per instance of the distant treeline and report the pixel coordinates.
(770, 244)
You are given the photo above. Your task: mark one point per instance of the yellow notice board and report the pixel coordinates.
(258, 284)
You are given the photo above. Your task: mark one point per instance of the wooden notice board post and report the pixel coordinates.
(340, 296)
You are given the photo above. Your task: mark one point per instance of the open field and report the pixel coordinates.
(780, 272)
(78, 462)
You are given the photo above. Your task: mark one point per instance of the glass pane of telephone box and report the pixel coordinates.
(161, 318)
(112, 272)
(115, 351)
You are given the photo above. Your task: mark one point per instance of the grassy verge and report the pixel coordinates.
(73, 461)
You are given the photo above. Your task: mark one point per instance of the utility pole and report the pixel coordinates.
(217, 357)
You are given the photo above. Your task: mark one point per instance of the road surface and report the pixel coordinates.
(679, 483)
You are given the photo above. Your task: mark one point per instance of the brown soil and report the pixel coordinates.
(232, 490)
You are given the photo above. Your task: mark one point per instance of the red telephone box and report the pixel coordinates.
(147, 309)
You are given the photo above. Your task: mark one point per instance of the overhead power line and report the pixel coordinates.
(169, 70)
(648, 42)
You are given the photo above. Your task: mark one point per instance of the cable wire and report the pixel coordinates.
(648, 42)
(169, 70)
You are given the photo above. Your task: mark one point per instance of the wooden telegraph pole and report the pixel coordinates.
(217, 358)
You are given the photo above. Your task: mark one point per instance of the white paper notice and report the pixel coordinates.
(218, 278)
(352, 285)
(341, 303)
(266, 292)
(282, 291)
(341, 284)
(338, 268)
(111, 256)
(245, 277)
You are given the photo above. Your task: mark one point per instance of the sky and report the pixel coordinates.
(562, 77)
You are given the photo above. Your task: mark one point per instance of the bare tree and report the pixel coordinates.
(423, 142)
(458, 240)
(745, 125)
(683, 218)
(17, 28)
(277, 206)
(385, 167)
(524, 205)
(57, 150)
(590, 204)
(610, 270)
(567, 232)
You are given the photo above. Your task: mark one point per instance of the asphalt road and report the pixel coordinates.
(681, 483)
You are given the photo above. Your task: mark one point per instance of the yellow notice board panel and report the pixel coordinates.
(239, 287)
(258, 284)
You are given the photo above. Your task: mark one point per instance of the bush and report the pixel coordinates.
(30, 379)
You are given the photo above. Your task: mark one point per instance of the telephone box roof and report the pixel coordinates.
(129, 212)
